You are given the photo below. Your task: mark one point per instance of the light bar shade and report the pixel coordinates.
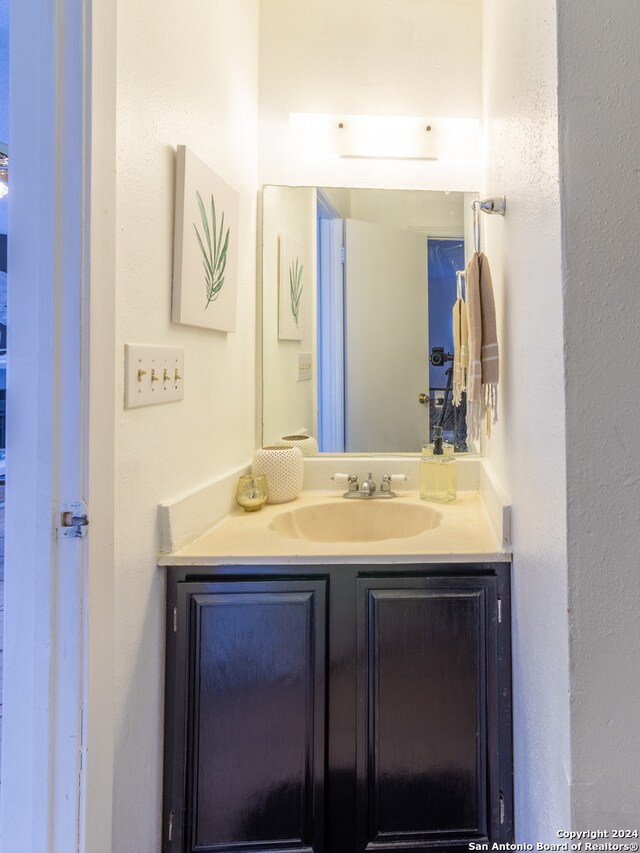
(384, 137)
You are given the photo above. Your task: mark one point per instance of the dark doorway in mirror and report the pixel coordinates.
(445, 259)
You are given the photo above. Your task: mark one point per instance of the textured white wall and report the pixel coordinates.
(527, 449)
(414, 58)
(599, 108)
(184, 76)
(288, 405)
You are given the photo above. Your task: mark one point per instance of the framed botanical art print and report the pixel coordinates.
(205, 262)
(291, 290)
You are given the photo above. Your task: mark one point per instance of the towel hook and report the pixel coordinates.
(496, 205)
(475, 204)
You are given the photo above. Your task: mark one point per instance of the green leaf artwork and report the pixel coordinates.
(295, 288)
(214, 255)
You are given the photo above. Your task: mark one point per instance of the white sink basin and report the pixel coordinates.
(356, 521)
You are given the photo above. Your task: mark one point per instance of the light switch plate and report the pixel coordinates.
(153, 374)
(304, 366)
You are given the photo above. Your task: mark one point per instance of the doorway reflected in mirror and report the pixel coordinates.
(445, 262)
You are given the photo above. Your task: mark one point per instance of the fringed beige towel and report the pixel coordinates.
(460, 350)
(484, 363)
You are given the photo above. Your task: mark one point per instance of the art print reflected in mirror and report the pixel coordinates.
(358, 289)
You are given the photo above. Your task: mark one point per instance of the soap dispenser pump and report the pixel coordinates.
(438, 475)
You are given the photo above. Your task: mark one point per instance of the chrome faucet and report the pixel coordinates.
(368, 490)
(368, 485)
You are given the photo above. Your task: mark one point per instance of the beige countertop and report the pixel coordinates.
(463, 534)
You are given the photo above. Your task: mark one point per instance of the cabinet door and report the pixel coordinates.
(255, 724)
(425, 721)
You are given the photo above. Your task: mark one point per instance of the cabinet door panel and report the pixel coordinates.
(423, 738)
(257, 717)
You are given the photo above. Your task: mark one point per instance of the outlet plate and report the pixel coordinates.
(153, 374)
(304, 366)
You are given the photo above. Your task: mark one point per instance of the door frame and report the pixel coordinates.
(57, 762)
(330, 349)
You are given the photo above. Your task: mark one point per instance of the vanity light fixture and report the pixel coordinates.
(386, 138)
(376, 137)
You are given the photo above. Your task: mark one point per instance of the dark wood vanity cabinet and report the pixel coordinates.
(337, 709)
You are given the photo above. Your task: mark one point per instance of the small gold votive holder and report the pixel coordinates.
(252, 492)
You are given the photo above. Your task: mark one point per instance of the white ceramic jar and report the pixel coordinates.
(307, 443)
(283, 468)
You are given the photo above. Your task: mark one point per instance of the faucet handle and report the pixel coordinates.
(352, 479)
(387, 479)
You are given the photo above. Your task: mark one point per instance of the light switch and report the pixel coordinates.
(304, 366)
(153, 374)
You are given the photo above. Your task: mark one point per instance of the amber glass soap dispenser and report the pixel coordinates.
(438, 477)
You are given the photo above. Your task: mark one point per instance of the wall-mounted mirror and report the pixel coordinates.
(358, 287)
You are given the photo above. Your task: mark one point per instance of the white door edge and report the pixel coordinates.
(57, 761)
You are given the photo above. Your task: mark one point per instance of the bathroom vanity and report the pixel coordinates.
(338, 671)
(337, 707)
